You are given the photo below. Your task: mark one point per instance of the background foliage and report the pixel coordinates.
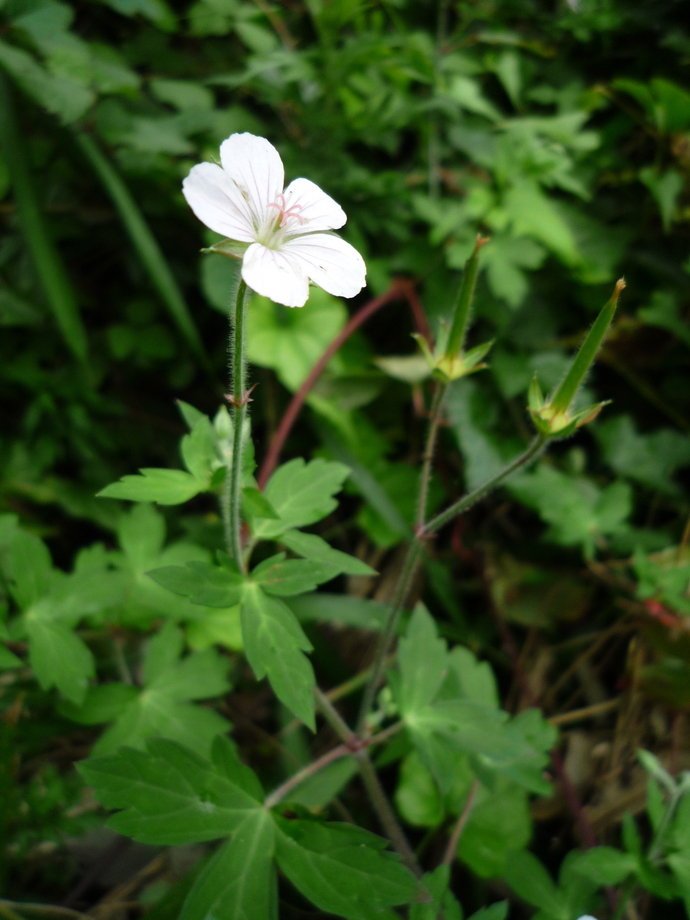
(560, 130)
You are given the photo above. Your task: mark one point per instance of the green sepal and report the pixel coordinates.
(463, 364)
(232, 249)
(535, 397)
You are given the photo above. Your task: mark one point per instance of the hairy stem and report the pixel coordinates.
(389, 629)
(410, 564)
(343, 750)
(532, 452)
(375, 791)
(435, 416)
(459, 827)
(232, 491)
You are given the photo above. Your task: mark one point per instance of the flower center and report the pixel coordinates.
(285, 213)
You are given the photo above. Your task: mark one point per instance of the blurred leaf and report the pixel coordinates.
(291, 341)
(651, 459)
(665, 188)
(163, 708)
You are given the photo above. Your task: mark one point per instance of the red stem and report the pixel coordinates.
(401, 287)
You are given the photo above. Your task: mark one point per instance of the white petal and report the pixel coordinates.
(317, 210)
(254, 166)
(276, 275)
(217, 203)
(329, 261)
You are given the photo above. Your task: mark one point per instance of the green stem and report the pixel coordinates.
(232, 493)
(425, 475)
(389, 629)
(413, 553)
(375, 791)
(533, 451)
(454, 840)
(343, 750)
(385, 813)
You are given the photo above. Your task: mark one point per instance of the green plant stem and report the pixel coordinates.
(50, 268)
(535, 448)
(435, 415)
(375, 791)
(343, 750)
(385, 813)
(47, 910)
(459, 827)
(386, 636)
(232, 491)
(413, 554)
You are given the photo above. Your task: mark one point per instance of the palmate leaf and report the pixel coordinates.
(169, 795)
(164, 707)
(343, 869)
(274, 644)
(52, 603)
(439, 698)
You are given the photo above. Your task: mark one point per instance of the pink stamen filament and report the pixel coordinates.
(285, 214)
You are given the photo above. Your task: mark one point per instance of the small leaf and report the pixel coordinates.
(59, 658)
(301, 494)
(204, 584)
(199, 450)
(166, 487)
(8, 660)
(340, 608)
(442, 903)
(292, 576)
(255, 504)
(423, 660)
(529, 879)
(605, 865)
(317, 550)
(274, 644)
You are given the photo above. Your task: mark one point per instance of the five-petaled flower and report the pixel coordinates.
(285, 231)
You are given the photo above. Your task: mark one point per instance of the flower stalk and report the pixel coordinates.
(238, 399)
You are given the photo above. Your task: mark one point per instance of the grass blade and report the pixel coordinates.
(47, 260)
(144, 242)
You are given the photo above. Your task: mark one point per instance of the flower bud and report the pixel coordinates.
(553, 417)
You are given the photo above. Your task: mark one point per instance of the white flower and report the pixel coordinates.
(286, 229)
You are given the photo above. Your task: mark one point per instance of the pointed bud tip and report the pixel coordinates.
(620, 285)
(480, 242)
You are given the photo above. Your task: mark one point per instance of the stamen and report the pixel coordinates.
(284, 213)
